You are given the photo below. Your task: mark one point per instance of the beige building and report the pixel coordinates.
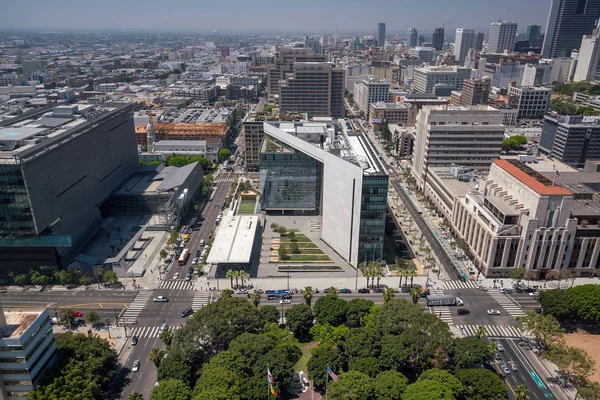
(392, 113)
(369, 91)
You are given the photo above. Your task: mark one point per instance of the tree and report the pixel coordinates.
(270, 314)
(99, 274)
(110, 277)
(558, 303)
(389, 385)
(299, 319)
(393, 356)
(291, 235)
(517, 276)
(163, 254)
(480, 331)
(369, 366)
(357, 309)
(521, 140)
(167, 336)
(545, 328)
(427, 390)
(226, 294)
(521, 392)
(415, 293)
(360, 343)
(156, 355)
(352, 385)
(307, 294)
(294, 247)
(230, 274)
(388, 294)
(177, 161)
(323, 356)
(330, 310)
(282, 230)
(171, 368)
(444, 377)
(224, 154)
(135, 396)
(562, 107)
(282, 252)
(574, 364)
(482, 384)
(462, 245)
(93, 317)
(170, 389)
(280, 361)
(21, 279)
(585, 300)
(255, 299)
(274, 227)
(469, 351)
(65, 277)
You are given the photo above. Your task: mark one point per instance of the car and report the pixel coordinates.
(285, 301)
(136, 366)
(505, 369)
(483, 288)
(345, 290)
(405, 289)
(203, 253)
(497, 356)
(186, 312)
(197, 253)
(539, 310)
(163, 327)
(160, 299)
(506, 291)
(512, 366)
(463, 311)
(529, 290)
(493, 312)
(194, 261)
(176, 275)
(364, 290)
(499, 346)
(134, 340)
(77, 321)
(188, 276)
(77, 314)
(189, 231)
(533, 294)
(202, 243)
(190, 270)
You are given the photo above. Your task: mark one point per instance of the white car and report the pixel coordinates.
(285, 301)
(533, 294)
(493, 312)
(160, 299)
(499, 346)
(194, 261)
(482, 288)
(176, 275)
(459, 302)
(136, 366)
(202, 243)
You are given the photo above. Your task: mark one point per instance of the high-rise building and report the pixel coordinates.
(570, 139)
(314, 44)
(284, 63)
(413, 37)
(536, 74)
(479, 41)
(568, 22)
(369, 91)
(313, 88)
(531, 102)
(437, 41)
(475, 91)
(421, 40)
(425, 78)
(464, 41)
(533, 31)
(56, 173)
(588, 61)
(502, 37)
(381, 34)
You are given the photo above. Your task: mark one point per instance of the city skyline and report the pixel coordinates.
(189, 16)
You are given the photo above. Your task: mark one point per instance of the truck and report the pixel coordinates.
(443, 300)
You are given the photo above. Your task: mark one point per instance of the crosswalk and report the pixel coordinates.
(177, 284)
(493, 330)
(459, 285)
(149, 331)
(201, 299)
(136, 306)
(507, 303)
(221, 180)
(443, 313)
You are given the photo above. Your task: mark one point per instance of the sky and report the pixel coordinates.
(318, 16)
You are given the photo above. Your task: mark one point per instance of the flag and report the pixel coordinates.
(332, 374)
(271, 382)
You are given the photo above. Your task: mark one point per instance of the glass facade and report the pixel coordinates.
(373, 211)
(289, 179)
(16, 219)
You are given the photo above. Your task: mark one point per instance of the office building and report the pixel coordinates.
(571, 139)
(536, 74)
(413, 37)
(474, 92)
(479, 41)
(437, 41)
(314, 44)
(563, 70)
(57, 171)
(533, 31)
(313, 88)
(356, 73)
(28, 349)
(284, 63)
(531, 102)
(369, 91)
(380, 34)
(568, 22)
(502, 37)
(213, 132)
(424, 54)
(588, 60)
(420, 100)
(426, 78)
(587, 100)
(446, 135)
(508, 113)
(464, 41)
(326, 171)
(392, 113)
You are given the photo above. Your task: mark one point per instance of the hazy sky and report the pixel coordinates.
(270, 15)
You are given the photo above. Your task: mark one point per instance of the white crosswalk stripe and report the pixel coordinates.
(220, 180)
(177, 284)
(201, 299)
(459, 285)
(442, 313)
(506, 302)
(493, 330)
(149, 331)
(137, 305)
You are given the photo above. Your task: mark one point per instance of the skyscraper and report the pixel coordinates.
(413, 37)
(502, 36)
(465, 40)
(437, 40)
(381, 34)
(568, 22)
(479, 41)
(533, 31)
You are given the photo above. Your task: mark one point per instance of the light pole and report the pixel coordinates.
(107, 321)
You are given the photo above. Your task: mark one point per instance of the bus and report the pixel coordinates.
(184, 256)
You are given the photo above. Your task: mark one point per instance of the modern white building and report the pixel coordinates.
(563, 70)
(425, 78)
(536, 74)
(369, 91)
(464, 41)
(234, 243)
(531, 102)
(589, 57)
(27, 349)
(356, 73)
(424, 54)
(502, 37)
(105, 87)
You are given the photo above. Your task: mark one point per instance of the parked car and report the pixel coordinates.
(529, 290)
(176, 275)
(497, 356)
(345, 290)
(188, 276)
(202, 242)
(285, 301)
(463, 311)
(160, 299)
(190, 270)
(134, 340)
(405, 289)
(77, 321)
(186, 312)
(533, 294)
(364, 290)
(136, 366)
(493, 312)
(77, 314)
(194, 261)
(506, 291)
(512, 366)
(197, 253)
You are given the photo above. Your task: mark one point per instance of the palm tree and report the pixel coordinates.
(99, 273)
(167, 336)
(367, 273)
(333, 290)
(415, 294)
(243, 276)
(135, 396)
(481, 331)
(230, 274)
(77, 273)
(236, 275)
(378, 273)
(156, 356)
(307, 293)
(522, 393)
(388, 294)
(411, 273)
(255, 298)
(226, 294)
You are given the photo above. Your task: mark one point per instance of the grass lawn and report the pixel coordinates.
(247, 207)
(307, 257)
(301, 364)
(311, 251)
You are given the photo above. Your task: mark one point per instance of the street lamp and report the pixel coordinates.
(107, 321)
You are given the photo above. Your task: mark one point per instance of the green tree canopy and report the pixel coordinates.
(469, 351)
(389, 385)
(330, 309)
(394, 355)
(252, 346)
(280, 361)
(585, 300)
(270, 314)
(367, 365)
(327, 334)
(352, 385)
(444, 377)
(396, 315)
(224, 154)
(175, 369)
(323, 356)
(482, 384)
(428, 390)
(216, 377)
(170, 389)
(233, 361)
(358, 308)
(299, 319)
(545, 328)
(557, 303)
(510, 144)
(585, 110)
(177, 161)
(360, 343)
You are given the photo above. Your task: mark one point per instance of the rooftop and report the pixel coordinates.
(156, 179)
(390, 106)
(531, 178)
(184, 128)
(17, 323)
(234, 240)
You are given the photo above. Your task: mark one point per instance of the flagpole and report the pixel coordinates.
(326, 381)
(268, 385)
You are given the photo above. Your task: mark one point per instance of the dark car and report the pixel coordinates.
(187, 312)
(134, 340)
(539, 310)
(529, 290)
(190, 270)
(378, 290)
(197, 253)
(363, 290)
(463, 311)
(345, 290)
(405, 289)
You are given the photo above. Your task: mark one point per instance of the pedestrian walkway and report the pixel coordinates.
(506, 302)
(149, 331)
(500, 331)
(459, 285)
(177, 285)
(136, 306)
(201, 299)
(442, 313)
(221, 180)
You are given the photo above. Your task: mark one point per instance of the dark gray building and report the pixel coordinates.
(437, 41)
(55, 173)
(381, 34)
(568, 21)
(533, 31)
(413, 37)
(572, 139)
